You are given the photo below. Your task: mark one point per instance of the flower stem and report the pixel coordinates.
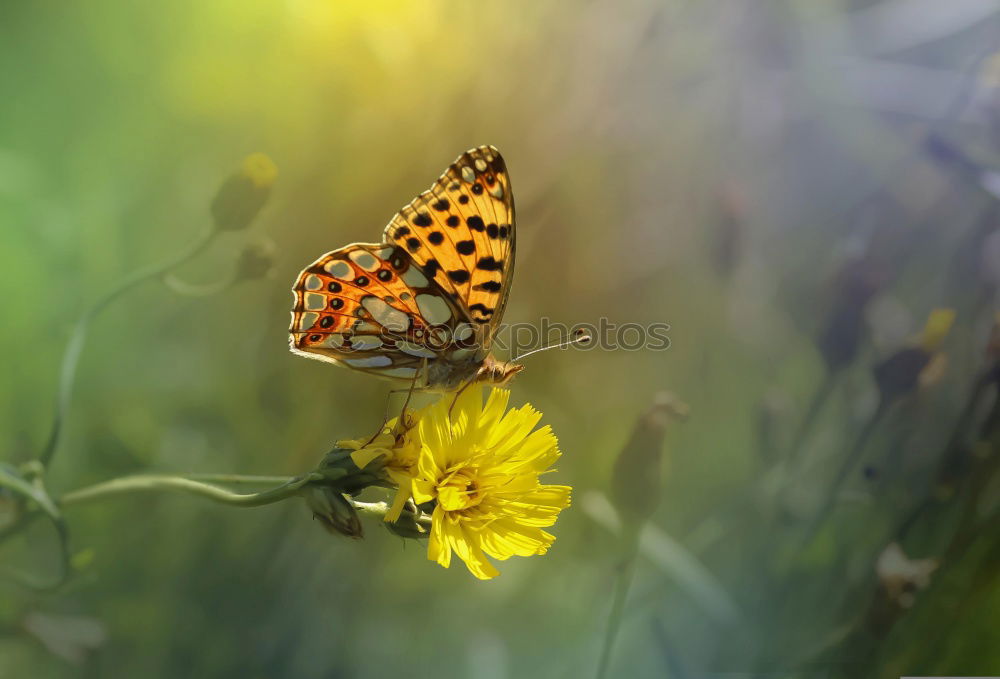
(71, 357)
(849, 462)
(815, 406)
(182, 287)
(146, 482)
(622, 585)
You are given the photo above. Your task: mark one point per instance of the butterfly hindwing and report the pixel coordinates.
(461, 234)
(369, 307)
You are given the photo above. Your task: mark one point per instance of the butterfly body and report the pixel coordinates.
(424, 304)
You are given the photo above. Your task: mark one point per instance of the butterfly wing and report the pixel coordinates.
(461, 235)
(368, 306)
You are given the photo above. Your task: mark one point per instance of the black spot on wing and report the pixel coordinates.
(459, 275)
(436, 237)
(483, 310)
(423, 219)
(489, 264)
(475, 223)
(488, 286)
(431, 267)
(465, 247)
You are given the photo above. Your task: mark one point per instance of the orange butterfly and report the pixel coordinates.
(424, 304)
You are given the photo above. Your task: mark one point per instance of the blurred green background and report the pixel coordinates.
(793, 187)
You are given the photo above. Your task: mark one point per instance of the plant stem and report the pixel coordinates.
(815, 406)
(237, 479)
(850, 460)
(182, 287)
(71, 356)
(622, 585)
(145, 482)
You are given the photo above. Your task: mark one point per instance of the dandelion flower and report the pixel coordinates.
(480, 466)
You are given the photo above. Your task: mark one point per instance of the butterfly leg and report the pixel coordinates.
(401, 422)
(457, 394)
(388, 407)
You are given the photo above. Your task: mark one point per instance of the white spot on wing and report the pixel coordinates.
(434, 309)
(480, 164)
(366, 342)
(313, 282)
(334, 341)
(497, 191)
(315, 301)
(463, 332)
(414, 278)
(338, 268)
(389, 318)
(415, 350)
(369, 362)
(364, 259)
(468, 174)
(308, 320)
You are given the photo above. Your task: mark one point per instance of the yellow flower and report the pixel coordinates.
(260, 170)
(398, 450)
(480, 466)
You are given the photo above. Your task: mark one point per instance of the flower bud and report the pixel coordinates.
(854, 286)
(256, 261)
(243, 194)
(334, 510)
(903, 371)
(408, 524)
(636, 478)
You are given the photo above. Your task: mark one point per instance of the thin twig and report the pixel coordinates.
(71, 356)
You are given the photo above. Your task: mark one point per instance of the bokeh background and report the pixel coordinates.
(793, 187)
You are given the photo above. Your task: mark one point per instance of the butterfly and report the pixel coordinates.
(424, 304)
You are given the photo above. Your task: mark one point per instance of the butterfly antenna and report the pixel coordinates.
(580, 337)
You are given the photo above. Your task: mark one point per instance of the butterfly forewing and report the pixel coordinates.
(430, 295)
(461, 232)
